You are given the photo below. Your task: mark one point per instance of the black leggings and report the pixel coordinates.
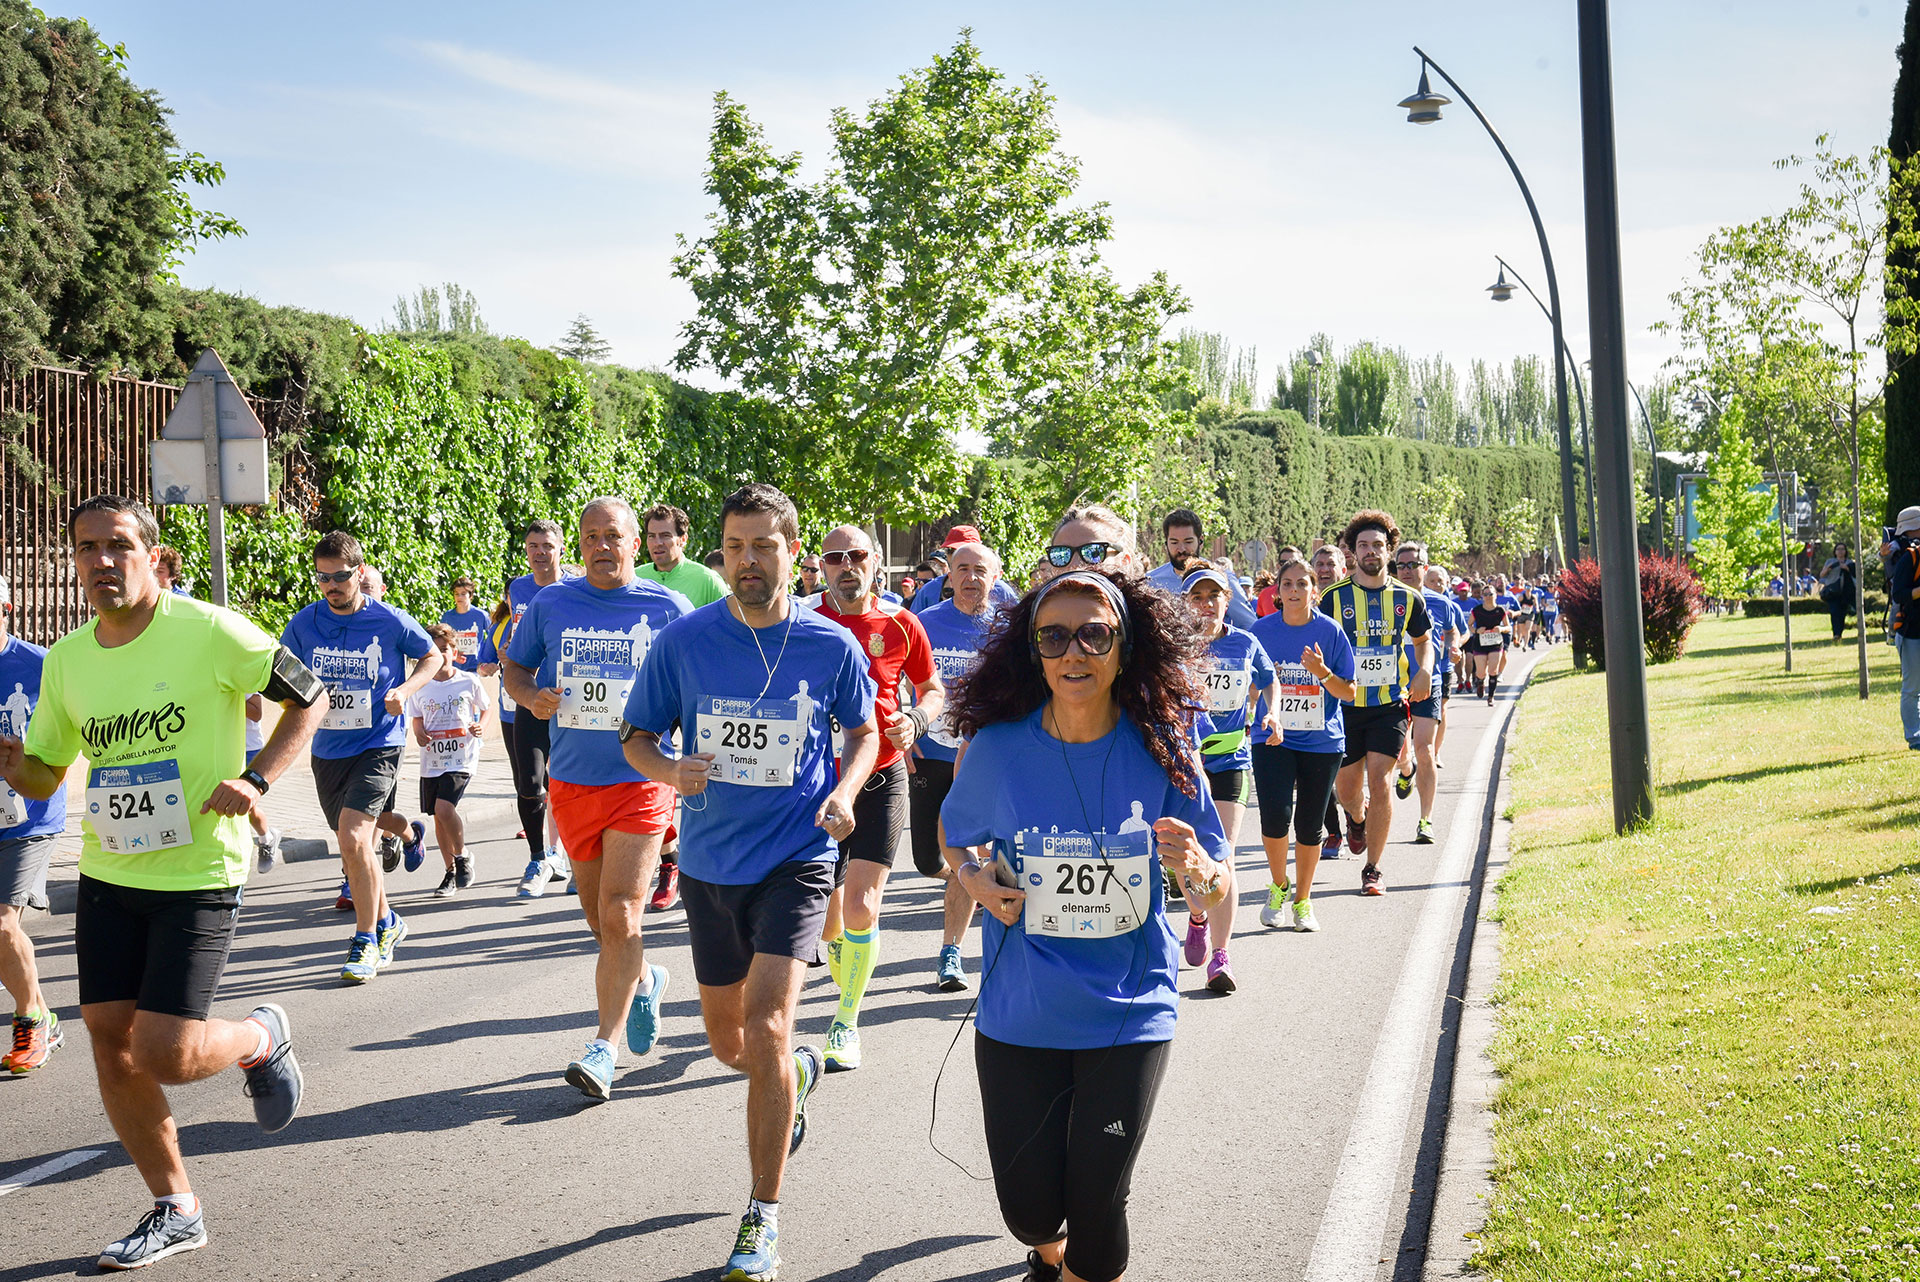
(1296, 788)
(1063, 1131)
(528, 742)
(927, 790)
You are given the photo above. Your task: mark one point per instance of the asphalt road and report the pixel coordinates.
(1297, 1134)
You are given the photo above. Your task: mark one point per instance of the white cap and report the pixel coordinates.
(1908, 521)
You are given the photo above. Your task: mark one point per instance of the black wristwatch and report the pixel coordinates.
(258, 780)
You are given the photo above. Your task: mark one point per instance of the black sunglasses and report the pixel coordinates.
(1060, 555)
(1094, 638)
(338, 576)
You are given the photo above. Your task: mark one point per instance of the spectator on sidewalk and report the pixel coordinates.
(1837, 588)
(167, 570)
(1903, 596)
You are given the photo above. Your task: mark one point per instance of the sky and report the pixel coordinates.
(546, 157)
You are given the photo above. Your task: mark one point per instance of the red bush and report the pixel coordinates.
(1670, 602)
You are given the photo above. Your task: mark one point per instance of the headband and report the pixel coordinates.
(1094, 579)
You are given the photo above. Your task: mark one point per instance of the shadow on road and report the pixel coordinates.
(520, 1265)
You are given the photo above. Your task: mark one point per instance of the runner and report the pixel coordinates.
(810, 584)
(1523, 613)
(152, 690)
(448, 716)
(1184, 538)
(956, 629)
(1504, 597)
(751, 681)
(356, 645)
(1417, 764)
(573, 661)
(531, 741)
(1435, 581)
(896, 646)
(1549, 609)
(29, 830)
(266, 841)
(941, 587)
(1087, 536)
(1329, 567)
(666, 530)
(1294, 770)
(1488, 628)
(1071, 786)
(1379, 616)
(472, 632)
(1237, 674)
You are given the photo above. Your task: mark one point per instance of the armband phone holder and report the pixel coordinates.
(293, 680)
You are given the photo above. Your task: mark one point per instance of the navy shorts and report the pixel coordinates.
(781, 915)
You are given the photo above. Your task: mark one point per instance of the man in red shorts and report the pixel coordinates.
(572, 663)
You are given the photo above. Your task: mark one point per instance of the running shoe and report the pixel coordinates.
(1038, 1270)
(1330, 848)
(414, 848)
(953, 975)
(559, 867)
(1220, 973)
(533, 882)
(1274, 915)
(1356, 835)
(344, 902)
(1303, 918)
(387, 938)
(756, 1251)
(448, 884)
(274, 1084)
(1423, 833)
(463, 871)
(163, 1231)
(666, 890)
(843, 1048)
(808, 1070)
(34, 1042)
(363, 960)
(389, 852)
(266, 849)
(1402, 785)
(643, 1017)
(1196, 942)
(592, 1073)
(1370, 881)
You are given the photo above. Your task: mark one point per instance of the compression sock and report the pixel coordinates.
(533, 818)
(858, 952)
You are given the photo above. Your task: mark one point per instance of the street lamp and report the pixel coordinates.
(1502, 290)
(1420, 416)
(1313, 382)
(1653, 474)
(1423, 108)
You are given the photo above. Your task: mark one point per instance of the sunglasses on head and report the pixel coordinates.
(856, 556)
(1094, 638)
(322, 578)
(1060, 555)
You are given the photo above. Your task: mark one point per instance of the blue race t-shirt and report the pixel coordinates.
(1445, 619)
(472, 639)
(590, 642)
(1284, 645)
(956, 638)
(1035, 799)
(20, 664)
(360, 656)
(1239, 666)
(1509, 600)
(758, 699)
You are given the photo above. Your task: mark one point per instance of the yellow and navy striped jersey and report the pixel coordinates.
(1379, 622)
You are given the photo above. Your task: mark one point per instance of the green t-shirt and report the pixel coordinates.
(690, 579)
(162, 722)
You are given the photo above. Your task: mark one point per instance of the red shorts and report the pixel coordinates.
(583, 812)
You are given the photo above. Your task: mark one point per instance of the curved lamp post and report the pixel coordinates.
(1314, 360)
(1653, 474)
(1423, 108)
(1502, 290)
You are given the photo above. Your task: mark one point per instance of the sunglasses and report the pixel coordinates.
(855, 556)
(1060, 555)
(1094, 638)
(322, 578)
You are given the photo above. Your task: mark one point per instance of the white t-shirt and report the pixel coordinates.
(256, 737)
(451, 709)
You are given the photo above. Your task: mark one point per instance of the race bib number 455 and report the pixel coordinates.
(1082, 886)
(1376, 665)
(138, 808)
(754, 742)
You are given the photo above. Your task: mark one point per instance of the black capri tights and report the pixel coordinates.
(527, 740)
(1296, 788)
(1063, 1130)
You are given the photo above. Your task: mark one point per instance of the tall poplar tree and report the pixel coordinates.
(1903, 393)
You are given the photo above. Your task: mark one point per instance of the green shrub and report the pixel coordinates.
(1768, 607)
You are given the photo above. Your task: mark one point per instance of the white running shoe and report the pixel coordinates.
(533, 882)
(1273, 915)
(1303, 918)
(266, 847)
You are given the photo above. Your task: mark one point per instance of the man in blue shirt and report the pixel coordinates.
(942, 587)
(751, 680)
(472, 644)
(1417, 767)
(528, 741)
(1184, 538)
(28, 832)
(358, 646)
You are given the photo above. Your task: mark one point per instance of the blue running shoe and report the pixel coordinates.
(363, 960)
(533, 882)
(274, 1084)
(414, 849)
(953, 975)
(643, 1017)
(592, 1073)
(808, 1068)
(756, 1251)
(163, 1231)
(387, 938)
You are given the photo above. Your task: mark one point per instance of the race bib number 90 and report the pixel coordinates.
(348, 710)
(1082, 886)
(592, 695)
(138, 808)
(754, 742)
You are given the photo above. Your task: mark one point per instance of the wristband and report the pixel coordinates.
(254, 777)
(974, 864)
(920, 720)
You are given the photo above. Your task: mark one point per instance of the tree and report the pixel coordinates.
(936, 280)
(423, 313)
(95, 206)
(1360, 391)
(1899, 282)
(583, 343)
(1435, 519)
(1517, 531)
(1735, 546)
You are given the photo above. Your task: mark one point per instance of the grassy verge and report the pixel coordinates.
(1710, 1040)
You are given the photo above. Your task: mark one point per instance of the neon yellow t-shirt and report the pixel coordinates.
(691, 579)
(162, 721)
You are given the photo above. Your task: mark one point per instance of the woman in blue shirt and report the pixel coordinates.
(1078, 785)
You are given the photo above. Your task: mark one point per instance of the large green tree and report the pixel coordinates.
(1903, 271)
(1361, 390)
(1736, 545)
(937, 280)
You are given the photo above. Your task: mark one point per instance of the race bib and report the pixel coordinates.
(1086, 887)
(1376, 665)
(593, 695)
(1302, 705)
(507, 705)
(754, 742)
(138, 808)
(13, 807)
(939, 733)
(1227, 689)
(466, 644)
(348, 710)
(1488, 640)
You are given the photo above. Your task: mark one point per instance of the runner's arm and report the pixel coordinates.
(420, 735)
(687, 775)
(27, 775)
(292, 733)
(929, 700)
(423, 672)
(857, 755)
(525, 691)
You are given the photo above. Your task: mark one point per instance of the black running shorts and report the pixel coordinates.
(367, 782)
(781, 916)
(1380, 730)
(927, 789)
(162, 950)
(449, 787)
(879, 817)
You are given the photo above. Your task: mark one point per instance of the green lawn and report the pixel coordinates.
(1710, 1044)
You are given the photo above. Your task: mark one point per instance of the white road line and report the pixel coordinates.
(33, 1175)
(1347, 1247)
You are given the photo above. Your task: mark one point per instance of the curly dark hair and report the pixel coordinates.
(1370, 518)
(1157, 688)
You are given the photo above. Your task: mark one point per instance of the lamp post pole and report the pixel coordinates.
(1653, 473)
(1628, 733)
(1501, 292)
(1423, 109)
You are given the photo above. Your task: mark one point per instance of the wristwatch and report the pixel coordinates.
(258, 780)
